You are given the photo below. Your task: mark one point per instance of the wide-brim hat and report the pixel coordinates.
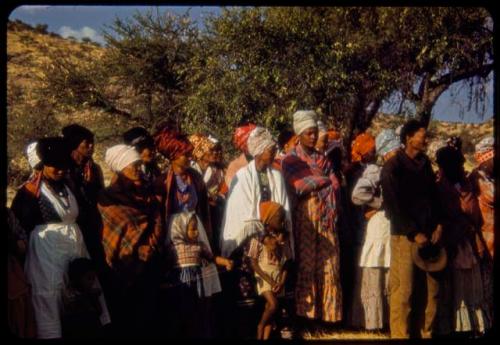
(54, 152)
(430, 258)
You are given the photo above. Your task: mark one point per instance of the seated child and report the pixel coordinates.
(269, 253)
(81, 306)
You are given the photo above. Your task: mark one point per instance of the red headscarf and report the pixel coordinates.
(241, 135)
(363, 144)
(171, 143)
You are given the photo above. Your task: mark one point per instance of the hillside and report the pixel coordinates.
(31, 114)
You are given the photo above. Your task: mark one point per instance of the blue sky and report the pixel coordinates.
(88, 21)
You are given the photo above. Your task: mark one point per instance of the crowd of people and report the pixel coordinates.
(291, 232)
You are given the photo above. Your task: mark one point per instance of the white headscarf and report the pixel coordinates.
(304, 119)
(177, 232)
(321, 129)
(31, 152)
(120, 156)
(259, 140)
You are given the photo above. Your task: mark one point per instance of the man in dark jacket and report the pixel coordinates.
(410, 202)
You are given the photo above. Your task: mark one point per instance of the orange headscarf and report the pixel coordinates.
(241, 135)
(362, 145)
(269, 211)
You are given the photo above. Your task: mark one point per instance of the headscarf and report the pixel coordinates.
(321, 129)
(386, 141)
(240, 136)
(74, 134)
(362, 145)
(269, 210)
(454, 142)
(484, 150)
(120, 156)
(201, 145)
(32, 154)
(259, 140)
(171, 143)
(304, 119)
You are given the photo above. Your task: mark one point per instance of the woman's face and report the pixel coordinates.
(53, 173)
(132, 172)
(182, 162)
(192, 230)
(267, 157)
(309, 137)
(147, 155)
(86, 148)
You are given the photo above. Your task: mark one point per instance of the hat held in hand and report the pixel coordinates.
(430, 258)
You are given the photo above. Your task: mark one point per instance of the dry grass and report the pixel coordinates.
(345, 335)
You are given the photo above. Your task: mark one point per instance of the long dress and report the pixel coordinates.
(463, 304)
(51, 247)
(318, 292)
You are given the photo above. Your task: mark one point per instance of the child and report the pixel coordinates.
(194, 276)
(269, 254)
(82, 308)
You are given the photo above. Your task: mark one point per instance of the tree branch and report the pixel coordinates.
(453, 77)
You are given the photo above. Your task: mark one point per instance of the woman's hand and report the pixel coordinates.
(277, 288)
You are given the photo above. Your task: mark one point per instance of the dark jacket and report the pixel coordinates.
(410, 196)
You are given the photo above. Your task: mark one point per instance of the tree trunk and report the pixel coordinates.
(429, 99)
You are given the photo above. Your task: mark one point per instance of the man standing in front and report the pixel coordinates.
(409, 194)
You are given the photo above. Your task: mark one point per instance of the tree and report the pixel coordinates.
(438, 47)
(151, 54)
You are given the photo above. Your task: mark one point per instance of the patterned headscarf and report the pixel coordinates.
(259, 140)
(362, 145)
(484, 150)
(172, 144)
(386, 141)
(201, 144)
(455, 142)
(240, 136)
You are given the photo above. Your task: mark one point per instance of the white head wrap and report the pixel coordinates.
(213, 139)
(321, 129)
(485, 145)
(121, 155)
(304, 119)
(259, 140)
(31, 152)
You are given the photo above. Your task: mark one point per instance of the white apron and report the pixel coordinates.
(51, 247)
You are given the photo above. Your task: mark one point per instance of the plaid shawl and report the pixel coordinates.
(306, 174)
(132, 227)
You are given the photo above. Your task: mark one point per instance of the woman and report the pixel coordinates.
(309, 175)
(463, 293)
(483, 185)
(143, 142)
(48, 209)
(206, 163)
(180, 188)
(253, 184)
(371, 287)
(132, 236)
